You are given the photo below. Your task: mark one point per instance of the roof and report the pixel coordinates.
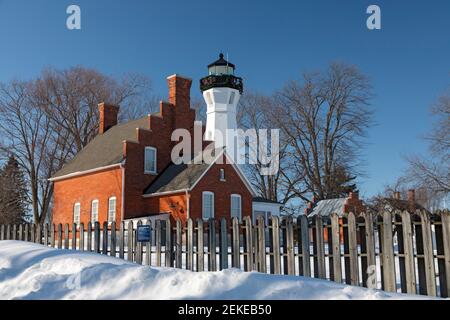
(180, 177)
(261, 199)
(221, 62)
(397, 204)
(105, 149)
(326, 207)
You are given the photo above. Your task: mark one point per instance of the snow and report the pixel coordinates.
(31, 271)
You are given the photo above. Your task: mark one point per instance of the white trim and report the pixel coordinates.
(164, 193)
(213, 204)
(156, 160)
(79, 213)
(236, 195)
(80, 173)
(92, 211)
(115, 208)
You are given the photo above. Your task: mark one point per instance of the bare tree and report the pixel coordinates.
(324, 120)
(45, 122)
(254, 112)
(434, 171)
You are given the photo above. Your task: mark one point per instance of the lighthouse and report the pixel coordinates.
(221, 90)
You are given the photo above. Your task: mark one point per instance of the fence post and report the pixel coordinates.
(60, 236)
(388, 253)
(179, 246)
(82, 236)
(212, 265)
(122, 240)
(138, 255)
(353, 249)
(408, 252)
(74, 236)
(112, 251)
(236, 257)
(248, 244)
(223, 254)
(428, 253)
(320, 248)
(45, 233)
(130, 246)
(97, 237)
(261, 244)
(190, 245)
(200, 246)
(445, 218)
(169, 247)
(275, 259)
(148, 245)
(336, 240)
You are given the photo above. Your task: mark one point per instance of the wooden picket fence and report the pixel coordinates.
(396, 252)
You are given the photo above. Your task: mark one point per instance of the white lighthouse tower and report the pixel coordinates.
(221, 91)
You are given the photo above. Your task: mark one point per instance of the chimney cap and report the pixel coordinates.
(175, 75)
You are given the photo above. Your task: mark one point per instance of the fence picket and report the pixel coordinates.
(445, 218)
(122, 240)
(89, 237)
(236, 250)
(148, 246)
(336, 241)
(2, 232)
(82, 235)
(428, 254)
(158, 240)
(97, 237)
(105, 238)
(169, 247)
(408, 252)
(20, 237)
(45, 233)
(353, 249)
(223, 246)
(14, 232)
(388, 253)
(248, 244)
(52, 235)
(190, 245)
(139, 248)
(32, 233)
(261, 244)
(60, 236)
(74, 236)
(275, 258)
(212, 260)
(179, 245)
(113, 249)
(305, 242)
(321, 271)
(130, 242)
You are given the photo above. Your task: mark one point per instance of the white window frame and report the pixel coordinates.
(239, 216)
(145, 160)
(109, 209)
(92, 211)
(207, 193)
(222, 175)
(77, 215)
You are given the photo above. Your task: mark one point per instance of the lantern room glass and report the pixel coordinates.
(221, 70)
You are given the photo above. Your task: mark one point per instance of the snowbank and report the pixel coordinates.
(31, 271)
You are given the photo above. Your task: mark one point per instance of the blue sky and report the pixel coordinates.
(408, 60)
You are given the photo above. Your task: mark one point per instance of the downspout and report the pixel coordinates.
(122, 207)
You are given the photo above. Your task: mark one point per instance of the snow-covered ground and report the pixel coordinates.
(31, 271)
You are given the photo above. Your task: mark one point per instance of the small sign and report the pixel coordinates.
(143, 233)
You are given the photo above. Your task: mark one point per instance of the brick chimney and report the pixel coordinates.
(108, 117)
(180, 92)
(396, 195)
(412, 196)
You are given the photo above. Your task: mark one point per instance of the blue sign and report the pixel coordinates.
(143, 233)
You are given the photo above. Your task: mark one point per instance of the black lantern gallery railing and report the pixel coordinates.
(221, 81)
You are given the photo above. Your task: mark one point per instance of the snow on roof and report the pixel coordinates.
(326, 207)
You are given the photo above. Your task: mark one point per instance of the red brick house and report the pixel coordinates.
(126, 172)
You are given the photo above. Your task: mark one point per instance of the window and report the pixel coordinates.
(232, 95)
(222, 175)
(76, 213)
(94, 211)
(150, 160)
(112, 209)
(208, 205)
(236, 206)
